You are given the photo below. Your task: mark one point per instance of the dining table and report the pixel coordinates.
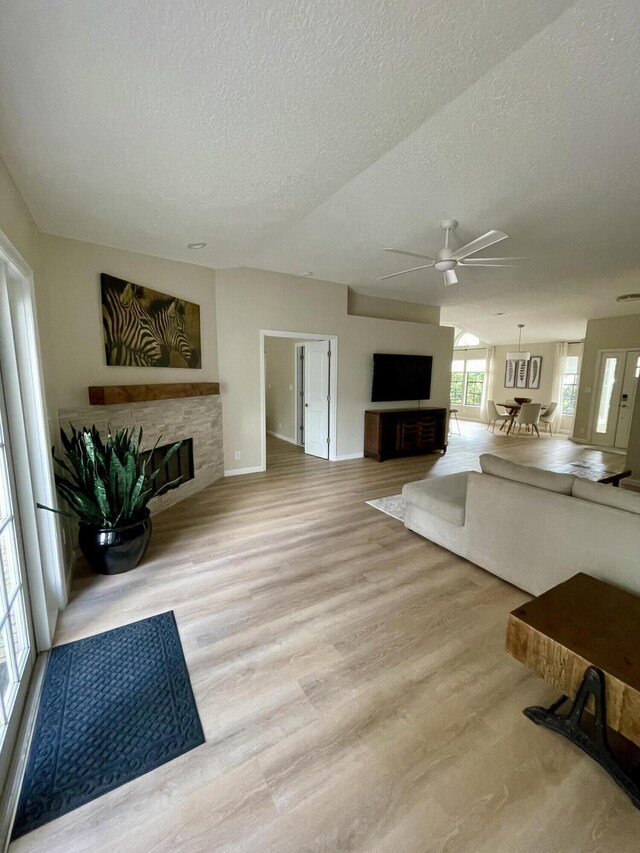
(513, 409)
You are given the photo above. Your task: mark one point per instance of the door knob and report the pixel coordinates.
(306, 405)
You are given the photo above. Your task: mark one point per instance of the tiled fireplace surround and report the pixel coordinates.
(199, 418)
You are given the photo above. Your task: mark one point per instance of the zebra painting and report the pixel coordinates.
(129, 336)
(168, 321)
(146, 328)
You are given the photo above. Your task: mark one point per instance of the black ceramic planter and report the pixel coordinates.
(113, 550)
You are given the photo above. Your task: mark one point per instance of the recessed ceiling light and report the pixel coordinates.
(629, 297)
(307, 274)
(196, 245)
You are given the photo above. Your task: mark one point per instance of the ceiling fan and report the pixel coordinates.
(448, 260)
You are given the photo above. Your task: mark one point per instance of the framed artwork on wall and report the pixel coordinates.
(522, 373)
(510, 373)
(535, 369)
(146, 328)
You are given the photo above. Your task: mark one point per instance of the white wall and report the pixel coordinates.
(249, 300)
(280, 354)
(71, 317)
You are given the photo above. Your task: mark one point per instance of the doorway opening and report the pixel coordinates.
(299, 391)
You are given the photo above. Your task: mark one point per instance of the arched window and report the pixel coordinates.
(466, 339)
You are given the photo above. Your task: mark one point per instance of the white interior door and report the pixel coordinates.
(317, 355)
(300, 394)
(16, 647)
(627, 398)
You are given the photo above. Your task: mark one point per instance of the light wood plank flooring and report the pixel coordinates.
(351, 679)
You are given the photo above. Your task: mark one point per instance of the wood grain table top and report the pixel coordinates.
(593, 619)
(584, 622)
(597, 472)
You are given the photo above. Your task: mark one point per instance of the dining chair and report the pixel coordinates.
(528, 416)
(495, 415)
(549, 416)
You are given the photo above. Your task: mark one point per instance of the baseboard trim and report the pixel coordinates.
(237, 472)
(346, 456)
(282, 437)
(578, 440)
(630, 484)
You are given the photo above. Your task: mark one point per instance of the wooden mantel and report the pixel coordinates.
(109, 395)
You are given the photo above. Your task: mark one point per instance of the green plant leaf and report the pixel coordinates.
(107, 481)
(57, 511)
(167, 486)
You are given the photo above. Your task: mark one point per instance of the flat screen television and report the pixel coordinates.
(401, 377)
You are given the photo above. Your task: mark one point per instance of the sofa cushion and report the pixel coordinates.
(599, 493)
(444, 497)
(526, 474)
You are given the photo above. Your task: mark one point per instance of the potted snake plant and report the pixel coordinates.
(107, 484)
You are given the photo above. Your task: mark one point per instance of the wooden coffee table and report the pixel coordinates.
(583, 637)
(595, 471)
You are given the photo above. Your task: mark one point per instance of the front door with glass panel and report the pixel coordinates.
(627, 398)
(617, 380)
(16, 647)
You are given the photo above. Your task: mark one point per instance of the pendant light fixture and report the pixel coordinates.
(519, 356)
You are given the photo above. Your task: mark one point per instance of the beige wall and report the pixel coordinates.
(543, 394)
(67, 286)
(606, 333)
(71, 317)
(362, 305)
(16, 221)
(280, 392)
(249, 300)
(633, 448)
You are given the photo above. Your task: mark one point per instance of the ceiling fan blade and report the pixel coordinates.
(492, 262)
(476, 245)
(410, 254)
(450, 277)
(402, 272)
(482, 262)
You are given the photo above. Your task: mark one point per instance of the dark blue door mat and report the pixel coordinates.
(113, 707)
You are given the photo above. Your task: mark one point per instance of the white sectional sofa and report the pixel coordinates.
(533, 528)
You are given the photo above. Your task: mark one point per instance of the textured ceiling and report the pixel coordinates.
(297, 135)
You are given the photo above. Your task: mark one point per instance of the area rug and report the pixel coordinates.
(113, 707)
(393, 505)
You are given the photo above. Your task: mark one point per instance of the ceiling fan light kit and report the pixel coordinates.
(448, 259)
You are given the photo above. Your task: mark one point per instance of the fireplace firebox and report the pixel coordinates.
(179, 465)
